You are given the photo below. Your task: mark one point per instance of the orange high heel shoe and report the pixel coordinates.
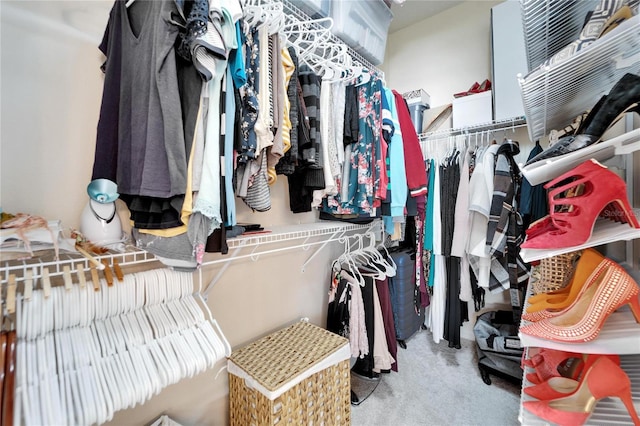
(571, 219)
(561, 386)
(607, 290)
(603, 379)
(591, 261)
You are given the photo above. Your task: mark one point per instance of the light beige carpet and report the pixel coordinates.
(438, 385)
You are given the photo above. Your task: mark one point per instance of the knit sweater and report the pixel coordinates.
(312, 152)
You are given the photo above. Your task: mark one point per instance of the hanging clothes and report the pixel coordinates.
(438, 268)
(429, 225)
(361, 188)
(382, 287)
(358, 336)
(382, 358)
(533, 199)
(287, 164)
(481, 190)
(454, 310)
(338, 315)
(145, 154)
(397, 189)
(461, 228)
(414, 164)
(365, 363)
(505, 231)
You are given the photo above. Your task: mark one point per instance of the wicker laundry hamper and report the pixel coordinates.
(296, 376)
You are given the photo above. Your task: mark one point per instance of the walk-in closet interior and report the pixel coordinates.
(368, 212)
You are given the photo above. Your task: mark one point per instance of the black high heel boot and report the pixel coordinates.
(623, 97)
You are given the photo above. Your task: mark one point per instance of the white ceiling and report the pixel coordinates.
(90, 16)
(412, 11)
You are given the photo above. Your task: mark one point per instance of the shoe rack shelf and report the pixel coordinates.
(544, 171)
(605, 231)
(554, 95)
(608, 411)
(620, 334)
(551, 25)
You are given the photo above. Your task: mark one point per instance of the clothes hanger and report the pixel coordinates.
(370, 263)
(388, 258)
(388, 269)
(363, 76)
(210, 326)
(307, 36)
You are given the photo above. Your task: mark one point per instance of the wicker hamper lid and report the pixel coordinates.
(279, 357)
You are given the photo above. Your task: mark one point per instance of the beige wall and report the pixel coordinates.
(444, 54)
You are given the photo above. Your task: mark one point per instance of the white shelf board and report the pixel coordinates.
(553, 96)
(608, 411)
(284, 233)
(544, 171)
(620, 334)
(605, 231)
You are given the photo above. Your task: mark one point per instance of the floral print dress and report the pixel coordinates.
(364, 164)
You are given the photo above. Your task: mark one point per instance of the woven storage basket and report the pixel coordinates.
(296, 376)
(554, 272)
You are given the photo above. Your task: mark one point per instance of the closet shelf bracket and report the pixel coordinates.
(319, 249)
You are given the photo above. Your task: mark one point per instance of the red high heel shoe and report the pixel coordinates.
(581, 322)
(612, 212)
(561, 386)
(603, 379)
(548, 363)
(572, 224)
(475, 86)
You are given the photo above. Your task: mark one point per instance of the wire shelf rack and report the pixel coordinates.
(550, 25)
(553, 96)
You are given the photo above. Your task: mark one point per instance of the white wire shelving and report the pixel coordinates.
(291, 237)
(553, 96)
(494, 126)
(274, 240)
(480, 134)
(19, 267)
(551, 25)
(291, 9)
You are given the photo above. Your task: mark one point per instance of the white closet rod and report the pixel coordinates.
(511, 123)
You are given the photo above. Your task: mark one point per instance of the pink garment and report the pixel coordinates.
(384, 178)
(357, 327)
